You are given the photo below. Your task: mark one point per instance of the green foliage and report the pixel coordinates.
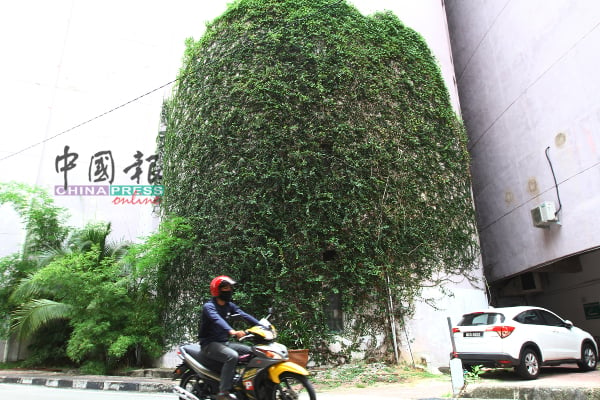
(47, 346)
(44, 223)
(474, 373)
(161, 262)
(93, 368)
(12, 268)
(38, 312)
(71, 292)
(92, 294)
(313, 150)
(43, 220)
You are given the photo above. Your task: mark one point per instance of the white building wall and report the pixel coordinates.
(69, 62)
(528, 81)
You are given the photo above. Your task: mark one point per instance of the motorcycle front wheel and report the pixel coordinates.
(293, 387)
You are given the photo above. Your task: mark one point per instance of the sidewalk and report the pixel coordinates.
(554, 383)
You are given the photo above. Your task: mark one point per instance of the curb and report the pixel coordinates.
(65, 383)
(547, 393)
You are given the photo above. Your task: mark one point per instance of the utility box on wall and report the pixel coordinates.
(544, 215)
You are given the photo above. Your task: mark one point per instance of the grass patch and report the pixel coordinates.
(365, 374)
(11, 365)
(25, 365)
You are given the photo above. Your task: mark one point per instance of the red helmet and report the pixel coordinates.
(216, 283)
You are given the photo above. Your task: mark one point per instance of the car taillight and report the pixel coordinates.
(455, 330)
(502, 330)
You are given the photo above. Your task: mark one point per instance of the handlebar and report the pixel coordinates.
(246, 337)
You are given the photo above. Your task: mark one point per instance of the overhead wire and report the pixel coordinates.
(89, 120)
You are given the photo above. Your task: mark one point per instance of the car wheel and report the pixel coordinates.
(529, 366)
(589, 358)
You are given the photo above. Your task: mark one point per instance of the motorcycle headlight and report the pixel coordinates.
(270, 354)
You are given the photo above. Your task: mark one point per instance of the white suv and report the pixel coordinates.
(522, 337)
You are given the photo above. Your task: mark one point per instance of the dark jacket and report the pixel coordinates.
(213, 324)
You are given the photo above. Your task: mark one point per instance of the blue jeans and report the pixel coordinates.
(228, 354)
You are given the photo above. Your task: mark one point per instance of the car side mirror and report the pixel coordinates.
(568, 324)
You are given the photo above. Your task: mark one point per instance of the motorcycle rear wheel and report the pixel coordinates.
(193, 384)
(293, 387)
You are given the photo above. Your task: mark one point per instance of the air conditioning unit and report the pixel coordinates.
(544, 215)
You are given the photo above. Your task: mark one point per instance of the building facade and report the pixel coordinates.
(527, 78)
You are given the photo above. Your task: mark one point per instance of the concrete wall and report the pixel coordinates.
(13, 350)
(528, 81)
(425, 341)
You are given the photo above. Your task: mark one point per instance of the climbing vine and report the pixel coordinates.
(315, 153)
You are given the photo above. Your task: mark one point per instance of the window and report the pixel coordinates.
(551, 319)
(530, 317)
(481, 319)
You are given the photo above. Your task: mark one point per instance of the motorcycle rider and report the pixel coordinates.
(215, 331)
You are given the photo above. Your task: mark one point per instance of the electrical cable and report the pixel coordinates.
(555, 183)
(89, 120)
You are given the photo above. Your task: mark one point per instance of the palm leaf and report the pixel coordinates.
(34, 314)
(25, 289)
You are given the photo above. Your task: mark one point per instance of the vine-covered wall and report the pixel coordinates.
(314, 153)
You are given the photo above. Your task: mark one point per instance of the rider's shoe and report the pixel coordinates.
(225, 396)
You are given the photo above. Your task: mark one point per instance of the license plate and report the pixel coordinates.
(473, 334)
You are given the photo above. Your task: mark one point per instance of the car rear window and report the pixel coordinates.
(486, 318)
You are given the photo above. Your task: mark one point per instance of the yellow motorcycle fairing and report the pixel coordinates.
(286, 366)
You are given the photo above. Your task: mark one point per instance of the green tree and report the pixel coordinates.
(155, 259)
(316, 154)
(42, 219)
(44, 223)
(81, 240)
(88, 287)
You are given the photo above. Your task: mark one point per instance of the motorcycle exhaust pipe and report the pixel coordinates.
(182, 392)
(201, 369)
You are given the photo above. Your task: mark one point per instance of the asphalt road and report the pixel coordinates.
(29, 392)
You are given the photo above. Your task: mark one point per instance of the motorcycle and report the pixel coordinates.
(265, 373)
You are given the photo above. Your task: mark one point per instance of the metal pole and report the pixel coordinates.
(456, 369)
(392, 319)
(451, 335)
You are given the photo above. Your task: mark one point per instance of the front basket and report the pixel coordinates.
(299, 356)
